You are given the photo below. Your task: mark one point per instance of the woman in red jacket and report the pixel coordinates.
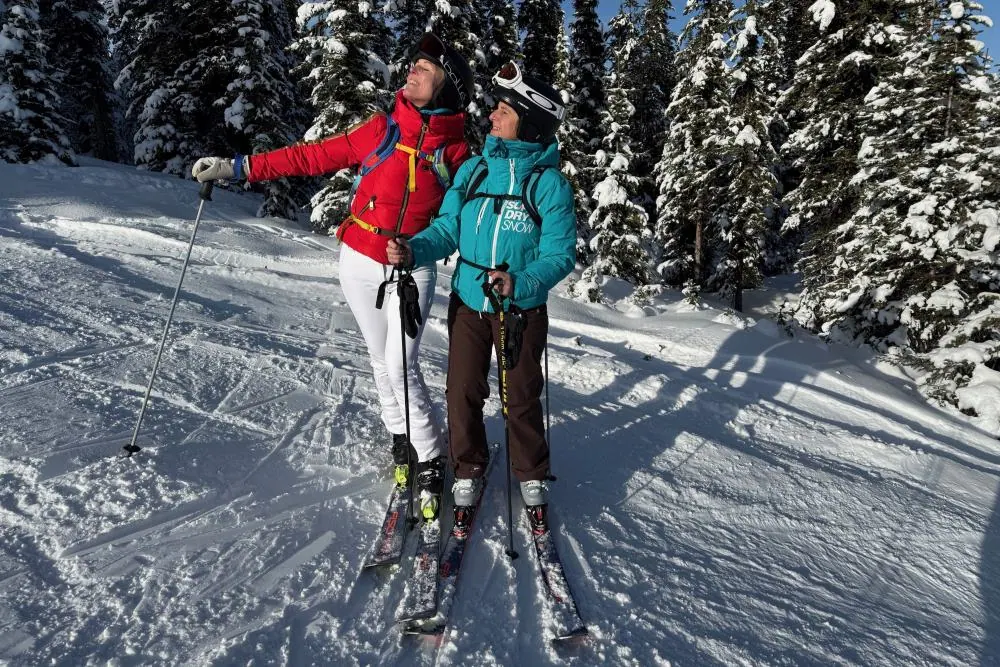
(398, 194)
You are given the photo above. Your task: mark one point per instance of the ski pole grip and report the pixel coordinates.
(206, 190)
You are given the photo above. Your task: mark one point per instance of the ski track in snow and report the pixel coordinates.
(727, 495)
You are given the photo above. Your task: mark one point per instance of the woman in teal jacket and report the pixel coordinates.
(510, 216)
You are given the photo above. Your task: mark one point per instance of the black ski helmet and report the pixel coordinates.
(459, 84)
(538, 105)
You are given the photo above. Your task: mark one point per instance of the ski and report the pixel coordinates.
(449, 564)
(420, 596)
(566, 621)
(388, 546)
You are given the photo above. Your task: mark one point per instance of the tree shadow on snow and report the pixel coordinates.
(611, 444)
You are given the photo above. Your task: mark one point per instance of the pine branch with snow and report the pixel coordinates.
(31, 127)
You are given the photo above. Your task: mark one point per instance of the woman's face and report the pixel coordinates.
(504, 120)
(422, 82)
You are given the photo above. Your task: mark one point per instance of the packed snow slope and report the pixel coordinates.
(726, 494)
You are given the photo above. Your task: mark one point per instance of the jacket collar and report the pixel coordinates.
(451, 126)
(513, 149)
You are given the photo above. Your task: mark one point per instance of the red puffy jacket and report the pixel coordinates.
(384, 203)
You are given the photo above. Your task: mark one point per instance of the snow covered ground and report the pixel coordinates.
(727, 495)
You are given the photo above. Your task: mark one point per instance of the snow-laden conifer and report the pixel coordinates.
(499, 48)
(76, 33)
(822, 106)
(503, 44)
(655, 77)
(343, 45)
(915, 269)
(581, 136)
(540, 21)
(689, 174)
(619, 244)
(175, 56)
(749, 203)
(261, 105)
(31, 127)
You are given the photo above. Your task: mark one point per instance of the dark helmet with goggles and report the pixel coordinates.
(459, 84)
(538, 105)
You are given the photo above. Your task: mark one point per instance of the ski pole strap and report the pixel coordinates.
(495, 299)
(409, 304)
(380, 297)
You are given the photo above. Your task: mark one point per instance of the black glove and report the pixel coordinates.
(409, 304)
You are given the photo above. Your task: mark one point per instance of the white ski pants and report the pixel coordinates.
(360, 278)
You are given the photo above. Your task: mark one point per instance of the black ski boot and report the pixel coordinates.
(430, 484)
(402, 454)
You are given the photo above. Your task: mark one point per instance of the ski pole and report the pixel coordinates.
(548, 424)
(411, 464)
(206, 195)
(497, 303)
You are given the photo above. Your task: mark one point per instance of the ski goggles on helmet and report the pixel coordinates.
(510, 77)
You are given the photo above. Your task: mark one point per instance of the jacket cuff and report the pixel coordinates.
(238, 167)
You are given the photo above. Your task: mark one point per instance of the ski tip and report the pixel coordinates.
(376, 564)
(574, 637)
(416, 617)
(426, 630)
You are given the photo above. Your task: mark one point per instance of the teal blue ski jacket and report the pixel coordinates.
(489, 232)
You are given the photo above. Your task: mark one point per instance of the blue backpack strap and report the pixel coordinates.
(441, 168)
(384, 149)
(476, 179)
(377, 156)
(528, 194)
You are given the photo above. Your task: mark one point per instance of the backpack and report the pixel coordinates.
(527, 192)
(390, 143)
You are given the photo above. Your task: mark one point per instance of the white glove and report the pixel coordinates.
(213, 169)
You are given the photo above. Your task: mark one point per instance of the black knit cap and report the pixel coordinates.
(456, 92)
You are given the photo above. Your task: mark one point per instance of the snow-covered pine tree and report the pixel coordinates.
(655, 79)
(751, 198)
(176, 56)
(262, 107)
(540, 21)
(620, 239)
(343, 45)
(581, 134)
(822, 104)
(77, 36)
(689, 174)
(503, 44)
(916, 267)
(31, 128)
(410, 19)
(499, 48)
(571, 140)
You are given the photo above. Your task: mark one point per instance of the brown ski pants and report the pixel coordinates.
(473, 338)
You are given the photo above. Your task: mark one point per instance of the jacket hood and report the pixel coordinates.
(448, 125)
(513, 149)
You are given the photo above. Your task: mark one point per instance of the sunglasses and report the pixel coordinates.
(510, 77)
